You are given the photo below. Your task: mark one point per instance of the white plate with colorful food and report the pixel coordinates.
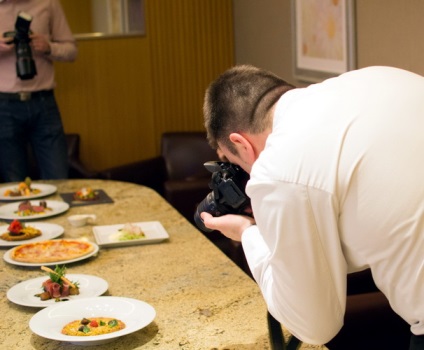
(51, 252)
(32, 210)
(17, 233)
(146, 232)
(106, 317)
(25, 190)
(57, 286)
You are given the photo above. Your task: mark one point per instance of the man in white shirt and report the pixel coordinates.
(336, 185)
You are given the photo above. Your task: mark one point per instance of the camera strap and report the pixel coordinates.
(277, 338)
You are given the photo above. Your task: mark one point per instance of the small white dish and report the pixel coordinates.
(48, 231)
(24, 293)
(108, 235)
(48, 323)
(82, 220)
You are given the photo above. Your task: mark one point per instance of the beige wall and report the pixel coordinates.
(262, 35)
(121, 94)
(389, 32)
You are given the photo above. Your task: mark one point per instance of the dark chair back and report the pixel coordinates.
(185, 153)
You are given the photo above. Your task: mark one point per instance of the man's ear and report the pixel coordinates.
(244, 148)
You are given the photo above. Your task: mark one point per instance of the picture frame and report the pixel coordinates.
(323, 38)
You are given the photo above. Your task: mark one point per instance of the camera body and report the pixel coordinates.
(228, 195)
(25, 65)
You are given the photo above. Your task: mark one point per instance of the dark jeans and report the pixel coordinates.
(417, 342)
(36, 122)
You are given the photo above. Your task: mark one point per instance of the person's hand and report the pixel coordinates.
(6, 44)
(40, 43)
(230, 225)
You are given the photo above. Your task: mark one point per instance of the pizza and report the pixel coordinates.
(93, 326)
(51, 251)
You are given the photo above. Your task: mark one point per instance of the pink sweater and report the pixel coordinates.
(49, 20)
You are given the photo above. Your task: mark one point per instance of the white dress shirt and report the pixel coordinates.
(339, 188)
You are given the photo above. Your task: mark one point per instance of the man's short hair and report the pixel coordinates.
(238, 101)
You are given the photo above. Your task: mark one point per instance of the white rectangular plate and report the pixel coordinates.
(108, 236)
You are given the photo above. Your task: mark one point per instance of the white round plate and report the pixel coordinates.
(8, 258)
(8, 211)
(48, 322)
(45, 189)
(48, 231)
(24, 293)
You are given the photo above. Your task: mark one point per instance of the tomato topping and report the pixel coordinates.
(94, 323)
(15, 226)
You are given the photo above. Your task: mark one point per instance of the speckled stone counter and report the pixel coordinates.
(202, 299)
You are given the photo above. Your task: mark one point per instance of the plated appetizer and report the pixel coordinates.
(27, 209)
(23, 189)
(86, 194)
(93, 326)
(144, 232)
(130, 232)
(18, 231)
(28, 292)
(57, 286)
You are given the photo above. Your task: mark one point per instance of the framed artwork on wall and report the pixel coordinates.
(324, 38)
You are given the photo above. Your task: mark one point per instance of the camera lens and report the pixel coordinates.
(208, 205)
(25, 65)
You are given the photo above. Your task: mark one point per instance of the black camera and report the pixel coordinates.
(228, 196)
(25, 65)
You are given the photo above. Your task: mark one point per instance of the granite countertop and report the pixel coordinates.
(202, 299)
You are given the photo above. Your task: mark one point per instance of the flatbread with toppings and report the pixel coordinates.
(51, 251)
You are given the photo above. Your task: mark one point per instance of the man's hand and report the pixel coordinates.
(6, 44)
(40, 44)
(230, 225)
